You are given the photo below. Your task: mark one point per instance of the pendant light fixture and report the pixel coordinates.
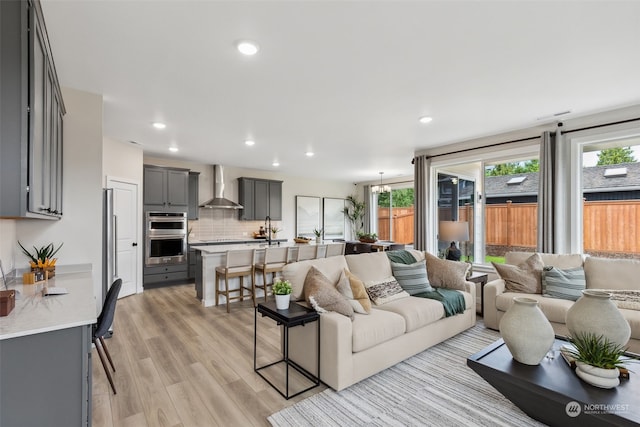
(380, 188)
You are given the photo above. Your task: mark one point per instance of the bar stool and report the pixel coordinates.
(335, 249)
(239, 264)
(307, 252)
(321, 251)
(274, 260)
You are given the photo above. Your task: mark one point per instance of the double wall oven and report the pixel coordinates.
(166, 238)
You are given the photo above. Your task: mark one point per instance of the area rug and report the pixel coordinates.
(433, 388)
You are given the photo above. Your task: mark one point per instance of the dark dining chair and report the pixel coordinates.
(105, 319)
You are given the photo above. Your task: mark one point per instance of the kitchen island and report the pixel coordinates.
(45, 354)
(211, 256)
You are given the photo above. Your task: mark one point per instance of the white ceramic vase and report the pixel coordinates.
(318, 240)
(526, 331)
(595, 313)
(282, 301)
(599, 377)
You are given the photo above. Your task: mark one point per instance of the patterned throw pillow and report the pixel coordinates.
(563, 284)
(412, 277)
(525, 277)
(323, 296)
(384, 291)
(354, 291)
(444, 273)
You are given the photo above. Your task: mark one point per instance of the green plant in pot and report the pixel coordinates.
(43, 257)
(282, 291)
(598, 359)
(367, 237)
(318, 233)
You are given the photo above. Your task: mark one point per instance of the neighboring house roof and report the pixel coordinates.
(623, 177)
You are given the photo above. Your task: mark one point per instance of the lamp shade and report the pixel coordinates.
(453, 231)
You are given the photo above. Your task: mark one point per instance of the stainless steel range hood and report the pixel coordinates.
(219, 201)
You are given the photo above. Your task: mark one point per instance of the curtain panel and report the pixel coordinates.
(422, 172)
(546, 204)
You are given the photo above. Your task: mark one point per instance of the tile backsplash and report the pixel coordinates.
(223, 224)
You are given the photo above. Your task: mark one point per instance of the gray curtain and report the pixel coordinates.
(421, 185)
(367, 209)
(548, 192)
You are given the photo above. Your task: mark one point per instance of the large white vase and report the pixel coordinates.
(526, 331)
(595, 313)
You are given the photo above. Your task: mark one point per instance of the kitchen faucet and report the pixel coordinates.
(268, 218)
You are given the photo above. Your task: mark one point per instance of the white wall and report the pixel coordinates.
(291, 187)
(81, 225)
(7, 244)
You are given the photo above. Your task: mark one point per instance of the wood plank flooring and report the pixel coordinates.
(180, 364)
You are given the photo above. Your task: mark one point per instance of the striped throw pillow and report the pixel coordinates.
(412, 277)
(563, 284)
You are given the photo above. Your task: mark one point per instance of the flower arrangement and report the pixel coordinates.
(42, 257)
(282, 287)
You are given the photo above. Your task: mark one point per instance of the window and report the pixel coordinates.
(395, 214)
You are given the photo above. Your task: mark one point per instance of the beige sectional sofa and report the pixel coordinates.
(352, 350)
(600, 273)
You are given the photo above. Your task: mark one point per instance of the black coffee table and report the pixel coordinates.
(553, 394)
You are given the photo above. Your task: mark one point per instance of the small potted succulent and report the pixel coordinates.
(318, 233)
(598, 359)
(282, 291)
(42, 258)
(274, 232)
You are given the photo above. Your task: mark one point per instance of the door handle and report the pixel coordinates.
(134, 244)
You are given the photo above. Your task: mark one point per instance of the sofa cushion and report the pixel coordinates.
(633, 317)
(606, 273)
(524, 277)
(554, 260)
(412, 277)
(352, 288)
(385, 290)
(554, 309)
(296, 272)
(323, 296)
(565, 284)
(369, 266)
(417, 312)
(378, 327)
(444, 273)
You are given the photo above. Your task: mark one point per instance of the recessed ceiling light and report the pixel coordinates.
(173, 149)
(247, 47)
(309, 153)
(275, 164)
(425, 119)
(159, 125)
(249, 142)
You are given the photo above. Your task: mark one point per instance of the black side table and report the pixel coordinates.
(296, 315)
(482, 279)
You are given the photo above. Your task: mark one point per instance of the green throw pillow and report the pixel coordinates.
(412, 277)
(563, 284)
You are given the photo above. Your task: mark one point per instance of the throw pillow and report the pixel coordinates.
(384, 291)
(354, 291)
(443, 273)
(525, 277)
(412, 277)
(323, 296)
(564, 284)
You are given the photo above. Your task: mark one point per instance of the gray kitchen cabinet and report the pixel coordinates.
(166, 189)
(192, 211)
(32, 113)
(260, 198)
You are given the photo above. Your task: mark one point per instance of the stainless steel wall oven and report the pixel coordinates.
(165, 238)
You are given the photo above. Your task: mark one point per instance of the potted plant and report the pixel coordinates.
(282, 291)
(42, 258)
(355, 214)
(597, 359)
(274, 231)
(318, 234)
(367, 237)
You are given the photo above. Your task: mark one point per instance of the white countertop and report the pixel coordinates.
(35, 313)
(219, 249)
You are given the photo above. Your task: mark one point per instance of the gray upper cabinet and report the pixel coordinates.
(31, 112)
(192, 211)
(260, 198)
(166, 189)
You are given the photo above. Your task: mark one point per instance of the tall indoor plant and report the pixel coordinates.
(355, 214)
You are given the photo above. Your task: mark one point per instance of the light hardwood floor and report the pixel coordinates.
(180, 364)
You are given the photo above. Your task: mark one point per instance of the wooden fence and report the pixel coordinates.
(402, 225)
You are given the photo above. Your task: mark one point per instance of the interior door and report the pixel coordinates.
(125, 207)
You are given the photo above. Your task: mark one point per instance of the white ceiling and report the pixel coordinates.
(347, 80)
